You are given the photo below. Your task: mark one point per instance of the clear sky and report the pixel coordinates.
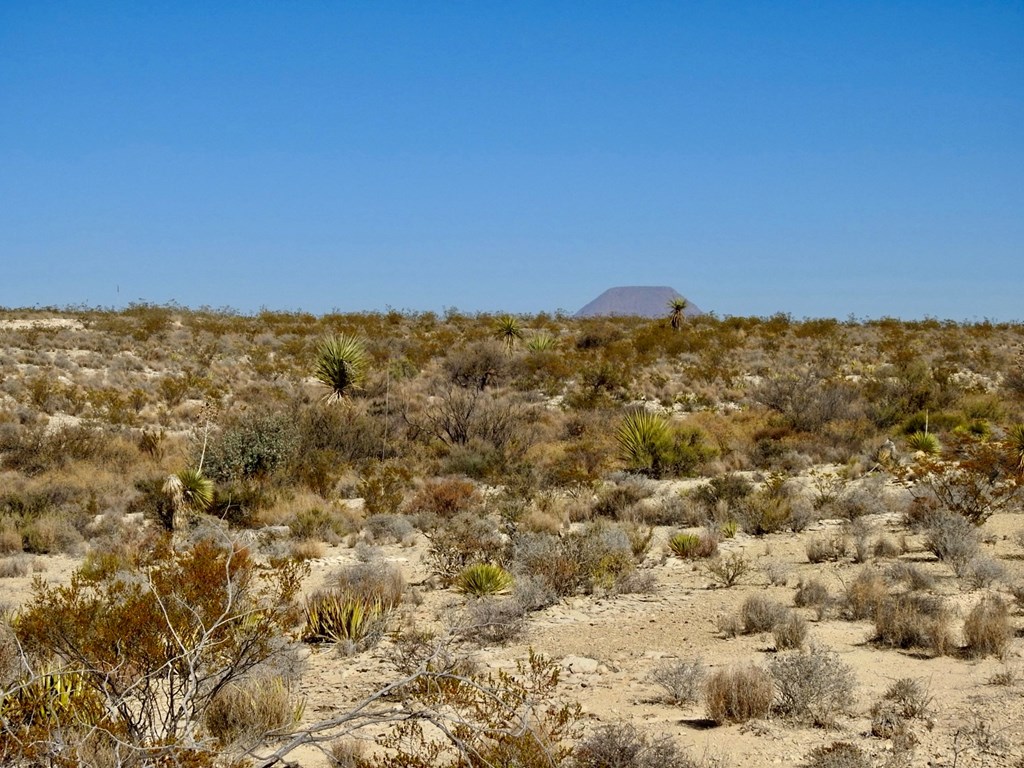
(817, 158)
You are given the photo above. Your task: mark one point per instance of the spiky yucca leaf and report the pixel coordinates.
(341, 363)
(1015, 437)
(508, 331)
(189, 490)
(541, 342)
(643, 438)
(336, 617)
(924, 442)
(482, 579)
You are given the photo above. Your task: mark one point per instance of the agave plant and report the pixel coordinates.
(341, 363)
(482, 579)
(643, 439)
(690, 546)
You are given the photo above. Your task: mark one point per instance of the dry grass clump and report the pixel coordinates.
(987, 628)
(242, 714)
(821, 550)
(443, 498)
(739, 694)
(790, 631)
(494, 621)
(813, 594)
(727, 571)
(760, 614)
(914, 621)
(11, 567)
(906, 699)
(864, 595)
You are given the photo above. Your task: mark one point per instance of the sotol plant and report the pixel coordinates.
(341, 363)
(644, 438)
(482, 579)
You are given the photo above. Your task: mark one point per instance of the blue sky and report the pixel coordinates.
(816, 158)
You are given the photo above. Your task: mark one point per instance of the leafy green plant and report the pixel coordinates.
(482, 579)
(341, 363)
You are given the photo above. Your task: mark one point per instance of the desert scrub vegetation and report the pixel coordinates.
(517, 449)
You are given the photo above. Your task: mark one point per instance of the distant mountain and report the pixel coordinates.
(636, 300)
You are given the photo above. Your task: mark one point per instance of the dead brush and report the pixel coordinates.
(681, 680)
(987, 629)
(739, 694)
(913, 621)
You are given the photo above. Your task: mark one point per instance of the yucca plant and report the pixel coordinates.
(677, 308)
(341, 363)
(336, 617)
(925, 442)
(644, 438)
(190, 493)
(482, 579)
(1015, 437)
(689, 546)
(508, 331)
(51, 698)
(541, 342)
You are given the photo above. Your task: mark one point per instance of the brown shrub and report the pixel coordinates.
(864, 595)
(987, 629)
(813, 594)
(242, 714)
(443, 498)
(790, 631)
(740, 694)
(912, 621)
(760, 614)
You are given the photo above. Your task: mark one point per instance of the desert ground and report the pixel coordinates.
(860, 479)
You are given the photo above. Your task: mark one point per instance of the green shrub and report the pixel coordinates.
(690, 546)
(482, 579)
(925, 442)
(252, 447)
(334, 616)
